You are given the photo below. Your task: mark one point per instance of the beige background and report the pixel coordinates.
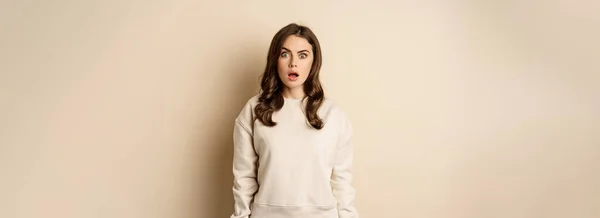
(125, 109)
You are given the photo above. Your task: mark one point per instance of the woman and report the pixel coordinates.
(292, 147)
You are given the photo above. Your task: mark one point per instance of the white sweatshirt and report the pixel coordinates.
(292, 170)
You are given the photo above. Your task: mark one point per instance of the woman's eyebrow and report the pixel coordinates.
(298, 51)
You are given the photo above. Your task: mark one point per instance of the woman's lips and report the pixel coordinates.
(293, 76)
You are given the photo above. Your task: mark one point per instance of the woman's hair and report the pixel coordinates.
(271, 94)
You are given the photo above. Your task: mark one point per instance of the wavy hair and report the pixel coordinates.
(271, 93)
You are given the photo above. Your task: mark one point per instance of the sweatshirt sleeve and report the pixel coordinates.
(244, 169)
(341, 179)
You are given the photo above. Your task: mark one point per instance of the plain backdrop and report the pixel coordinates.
(462, 109)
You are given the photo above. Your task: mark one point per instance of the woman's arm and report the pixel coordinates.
(341, 180)
(244, 170)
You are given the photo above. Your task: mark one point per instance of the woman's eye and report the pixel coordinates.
(303, 55)
(284, 54)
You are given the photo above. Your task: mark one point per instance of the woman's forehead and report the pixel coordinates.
(296, 43)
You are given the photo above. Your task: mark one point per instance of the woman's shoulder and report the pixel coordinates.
(253, 101)
(331, 108)
(335, 115)
(332, 104)
(246, 114)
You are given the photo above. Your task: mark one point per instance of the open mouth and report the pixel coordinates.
(293, 76)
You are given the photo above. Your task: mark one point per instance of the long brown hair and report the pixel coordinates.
(271, 94)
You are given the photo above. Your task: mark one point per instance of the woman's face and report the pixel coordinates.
(295, 60)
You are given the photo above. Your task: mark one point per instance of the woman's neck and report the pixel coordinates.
(295, 93)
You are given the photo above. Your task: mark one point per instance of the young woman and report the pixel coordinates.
(292, 147)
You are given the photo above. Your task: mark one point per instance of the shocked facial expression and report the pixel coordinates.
(295, 61)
